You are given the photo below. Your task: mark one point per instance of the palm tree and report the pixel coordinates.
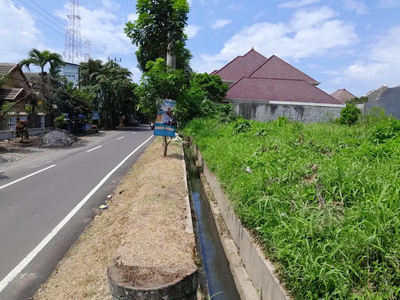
(41, 59)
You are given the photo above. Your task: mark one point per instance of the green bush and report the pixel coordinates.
(323, 199)
(242, 126)
(349, 115)
(59, 122)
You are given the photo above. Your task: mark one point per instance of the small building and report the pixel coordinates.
(343, 95)
(71, 72)
(264, 89)
(16, 87)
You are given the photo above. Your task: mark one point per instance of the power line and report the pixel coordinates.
(34, 17)
(51, 15)
(42, 15)
(95, 47)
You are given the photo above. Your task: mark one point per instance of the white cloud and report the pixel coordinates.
(220, 23)
(110, 4)
(104, 29)
(192, 30)
(293, 40)
(389, 3)
(381, 65)
(17, 38)
(235, 6)
(295, 4)
(369, 26)
(132, 17)
(136, 74)
(358, 6)
(259, 15)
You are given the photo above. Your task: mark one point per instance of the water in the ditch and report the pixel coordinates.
(219, 277)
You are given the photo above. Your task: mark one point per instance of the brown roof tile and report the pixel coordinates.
(343, 95)
(241, 66)
(252, 88)
(275, 67)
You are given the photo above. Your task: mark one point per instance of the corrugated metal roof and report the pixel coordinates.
(269, 89)
(275, 67)
(9, 94)
(343, 95)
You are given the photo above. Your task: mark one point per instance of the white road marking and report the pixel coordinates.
(25, 177)
(94, 149)
(133, 132)
(120, 138)
(14, 273)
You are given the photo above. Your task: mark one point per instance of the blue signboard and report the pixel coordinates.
(165, 125)
(95, 115)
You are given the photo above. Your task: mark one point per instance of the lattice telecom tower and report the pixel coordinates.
(73, 43)
(87, 50)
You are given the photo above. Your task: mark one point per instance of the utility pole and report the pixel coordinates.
(171, 61)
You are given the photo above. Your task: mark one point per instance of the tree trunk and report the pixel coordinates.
(165, 145)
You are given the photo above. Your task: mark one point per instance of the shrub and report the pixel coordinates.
(387, 130)
(281, 121)
(242, 126)
(349, 115)
(59, 122)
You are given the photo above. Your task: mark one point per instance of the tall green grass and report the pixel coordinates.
(323, 199)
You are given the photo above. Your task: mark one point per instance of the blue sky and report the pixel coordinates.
(348, 44)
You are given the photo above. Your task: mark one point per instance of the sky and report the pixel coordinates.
(349, 44)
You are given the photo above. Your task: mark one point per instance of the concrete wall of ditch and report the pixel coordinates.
(260, 270)
(307, 113)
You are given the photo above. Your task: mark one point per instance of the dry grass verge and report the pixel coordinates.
(144, 226)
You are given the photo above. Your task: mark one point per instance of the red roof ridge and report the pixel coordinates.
(236, 59)
(312, 79)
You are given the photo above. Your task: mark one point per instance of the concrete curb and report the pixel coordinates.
(260, 270)
(189, 222)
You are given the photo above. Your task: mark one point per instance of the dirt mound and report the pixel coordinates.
(57, 138)
(146, 277)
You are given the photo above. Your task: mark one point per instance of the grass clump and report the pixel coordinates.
(322, 198)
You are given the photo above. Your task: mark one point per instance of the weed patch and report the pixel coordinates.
(322, 198)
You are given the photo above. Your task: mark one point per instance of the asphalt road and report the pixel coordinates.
(45, 207)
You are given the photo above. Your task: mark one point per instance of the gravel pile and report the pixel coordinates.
(57, 138)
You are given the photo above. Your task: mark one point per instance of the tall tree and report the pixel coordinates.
(43, 59)
(112, 85)
(159, 29)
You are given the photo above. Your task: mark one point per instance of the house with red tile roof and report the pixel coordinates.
(343, 95)
(265, 88)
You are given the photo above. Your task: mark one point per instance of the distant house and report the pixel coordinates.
(71, 72)
(386, 98)
(343, 95)
(265, 88)
(16, 87)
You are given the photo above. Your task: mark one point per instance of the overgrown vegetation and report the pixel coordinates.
(322, 198)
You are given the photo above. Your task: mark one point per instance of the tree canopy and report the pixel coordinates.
(193, 97)
(160, 27)
(112, 86)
